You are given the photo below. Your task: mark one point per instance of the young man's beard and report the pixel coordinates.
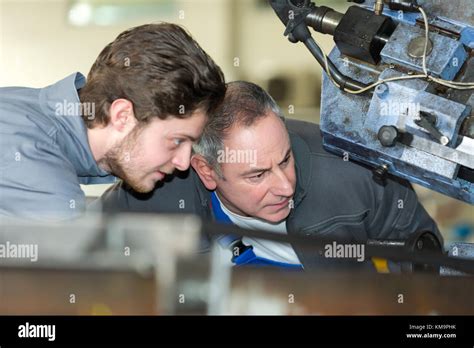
(121, 162)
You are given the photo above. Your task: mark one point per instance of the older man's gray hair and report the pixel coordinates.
(244, 103)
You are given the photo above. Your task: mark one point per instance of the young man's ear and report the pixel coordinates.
(205, 171)
(121, 116)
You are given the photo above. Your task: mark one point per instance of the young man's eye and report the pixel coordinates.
(177, 141)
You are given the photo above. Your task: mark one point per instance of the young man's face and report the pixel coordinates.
(264, 186)
(150, 151)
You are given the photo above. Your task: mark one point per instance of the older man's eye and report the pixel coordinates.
(257, 177)
(177, 142)
(285, 161)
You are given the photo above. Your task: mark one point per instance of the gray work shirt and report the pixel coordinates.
(45, 154)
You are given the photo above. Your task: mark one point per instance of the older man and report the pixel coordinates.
(253, 169)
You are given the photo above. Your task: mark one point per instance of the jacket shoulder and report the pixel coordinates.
(309, 133)
(21, 112)
(176, 194)
(307, 137)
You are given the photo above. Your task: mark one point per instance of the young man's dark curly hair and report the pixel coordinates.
(160, 68)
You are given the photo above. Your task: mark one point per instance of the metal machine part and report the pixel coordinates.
(420, 242)
(423, 242)
(294, 14)
(402, 5)
(416, 47)
(445, 58)
(457, 249)
(420, 129)
(378, 7)
(359, 32)
(325, 20)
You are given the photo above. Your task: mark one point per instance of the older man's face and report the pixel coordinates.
(259, 170)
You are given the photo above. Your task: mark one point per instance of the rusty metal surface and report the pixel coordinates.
(47, 292)
(349, 294)
(252, 292)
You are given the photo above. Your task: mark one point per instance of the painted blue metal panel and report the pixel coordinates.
(467, 37)
(445, 60)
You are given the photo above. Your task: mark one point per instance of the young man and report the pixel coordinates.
(253, 170)
(144, 104)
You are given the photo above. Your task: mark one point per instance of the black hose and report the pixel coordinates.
(341, 79)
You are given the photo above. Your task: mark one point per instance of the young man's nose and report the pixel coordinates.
(182, 158)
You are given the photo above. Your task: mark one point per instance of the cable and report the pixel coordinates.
(338, 78)
(365, 89)
(451, 84)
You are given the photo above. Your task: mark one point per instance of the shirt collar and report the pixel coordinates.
(61, 102)
(303, 167)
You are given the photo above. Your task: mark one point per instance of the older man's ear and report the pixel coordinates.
(205, 171)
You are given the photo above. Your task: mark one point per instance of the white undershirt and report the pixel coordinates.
(275, 251)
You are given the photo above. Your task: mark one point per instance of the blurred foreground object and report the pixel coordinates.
(143, 264)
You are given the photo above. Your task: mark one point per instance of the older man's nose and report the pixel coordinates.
(282, 186)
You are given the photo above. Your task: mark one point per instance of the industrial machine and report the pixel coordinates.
(398, 86)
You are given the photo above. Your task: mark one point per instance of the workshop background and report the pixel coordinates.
(42, 41)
